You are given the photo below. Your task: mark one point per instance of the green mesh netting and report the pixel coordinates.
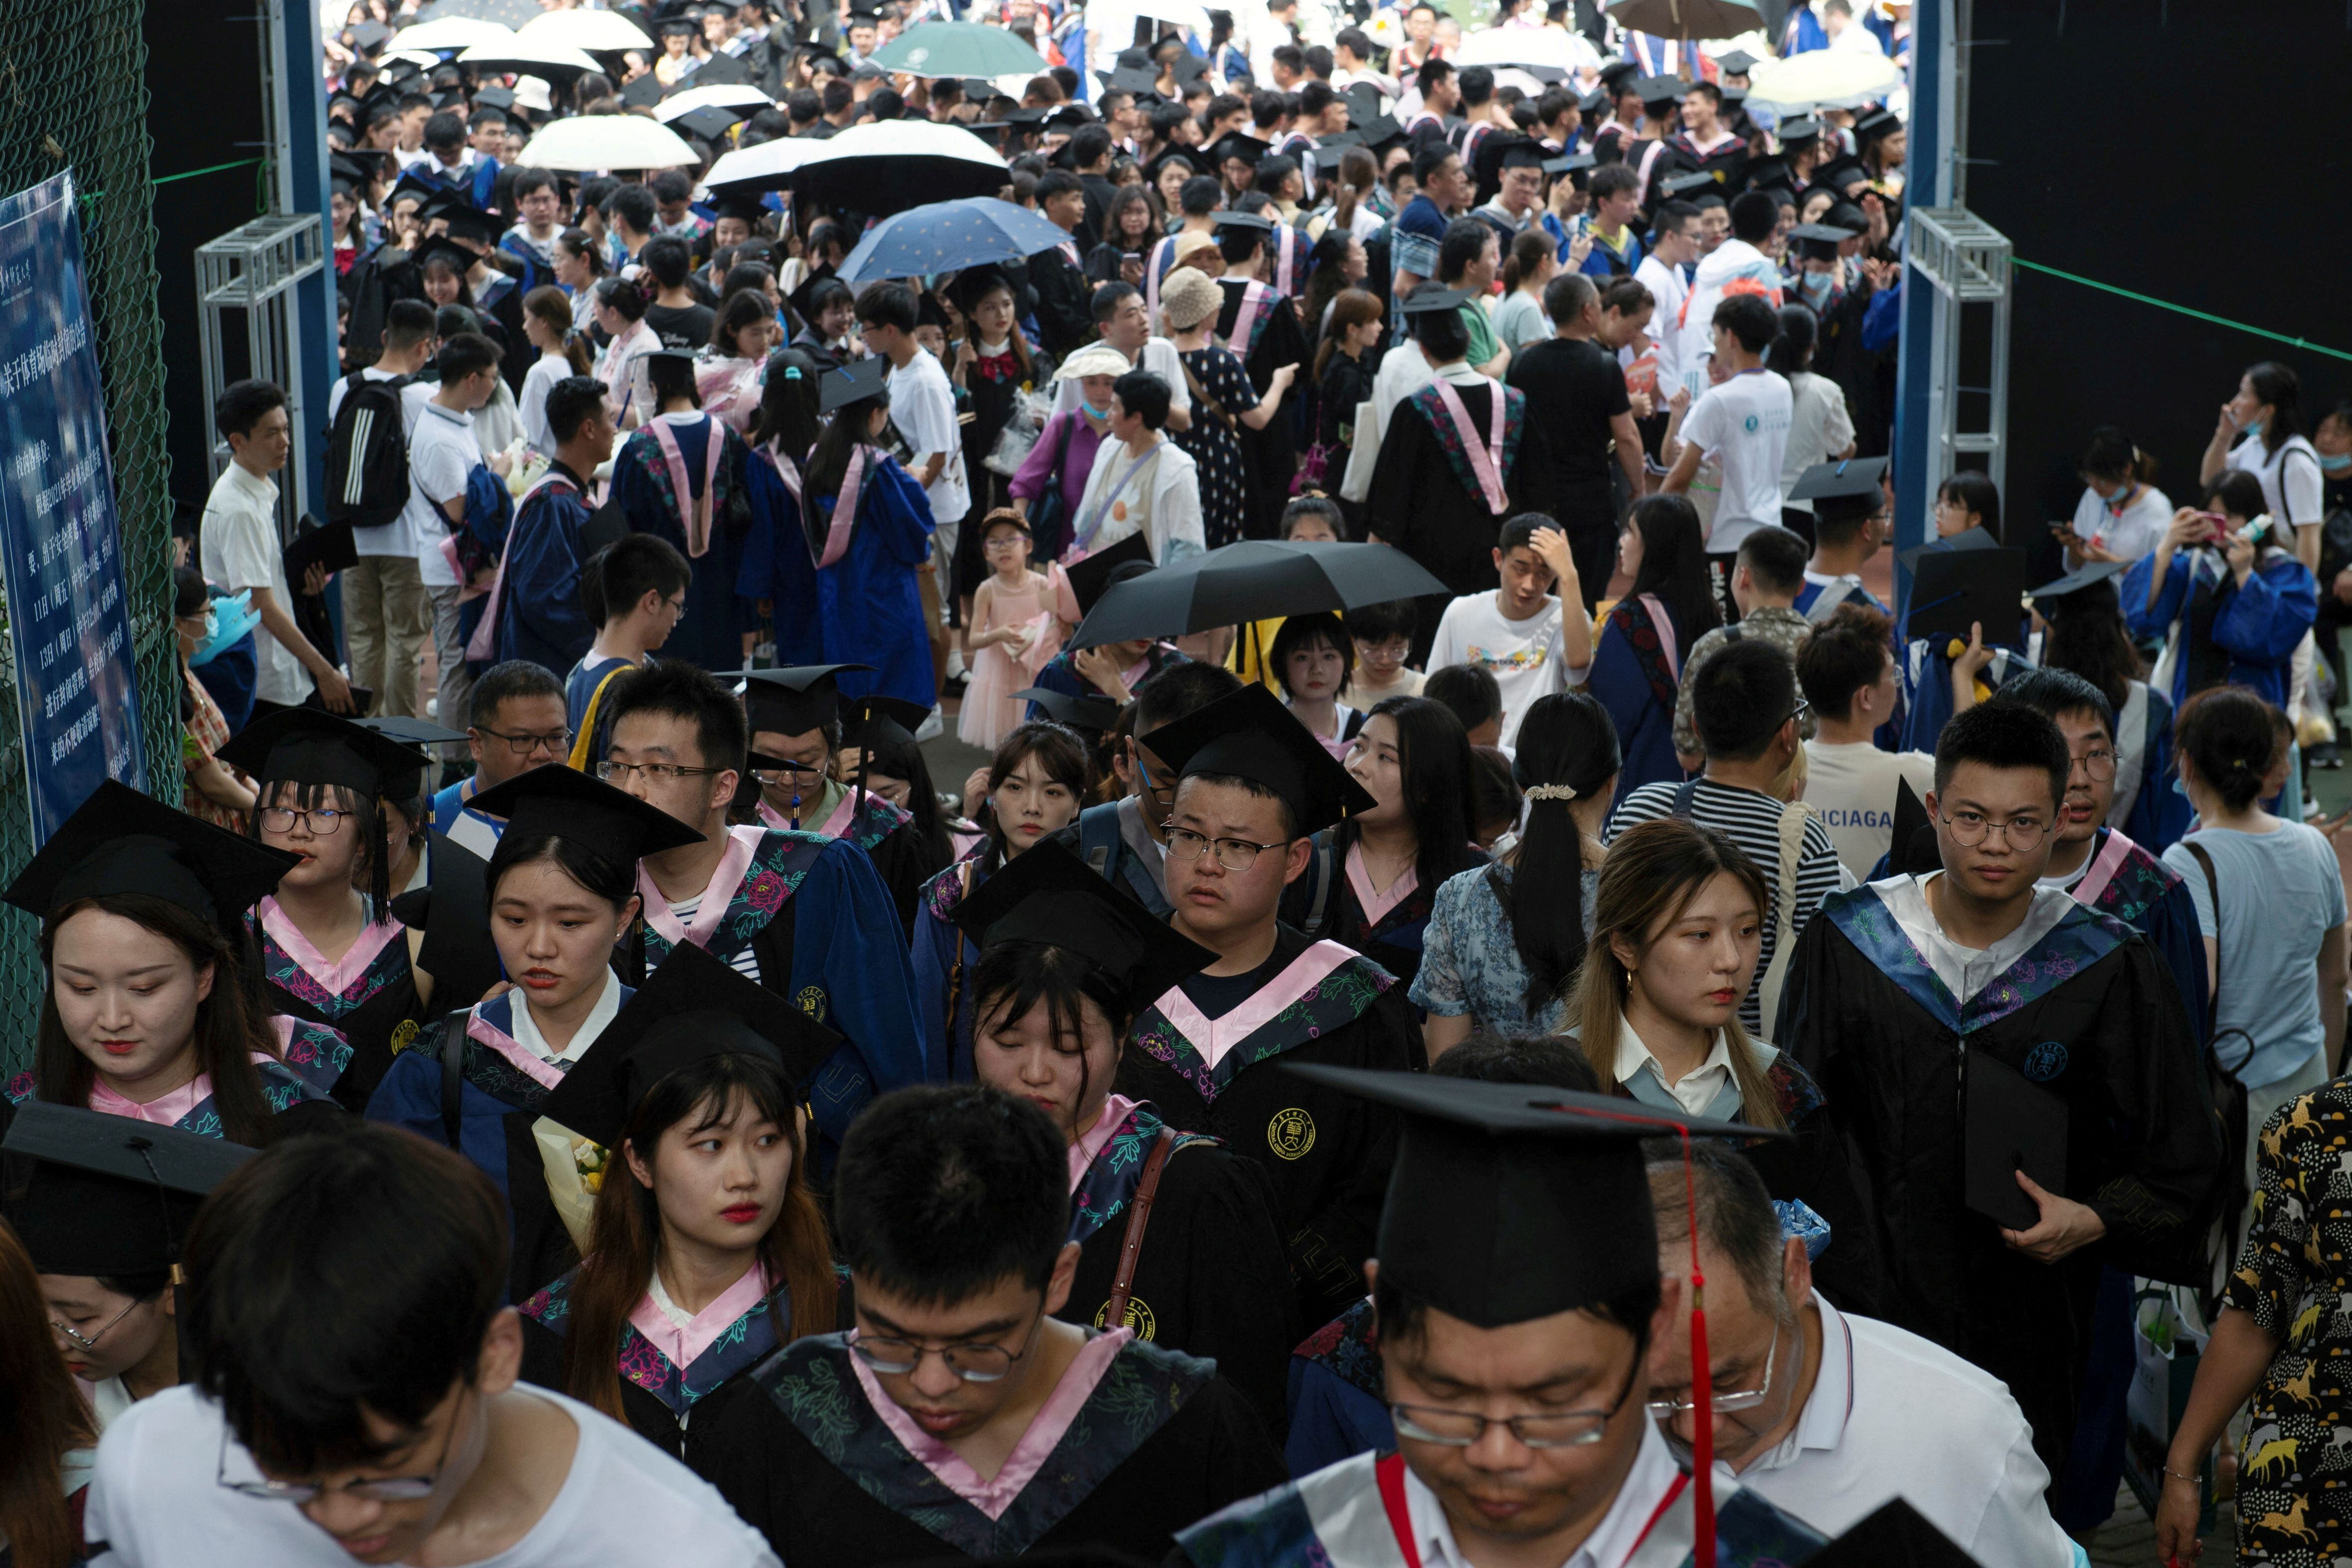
(85, 108)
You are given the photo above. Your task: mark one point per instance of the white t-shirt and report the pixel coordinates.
(442, 451)
(1819, 428)
(922, 405)
(157, 1500)
(537, 382)
(397, 537)
(239, 536)
(1524, 656)
(2299, 502)
(1851, 788)
(1666, 286)
(1159, 357)
(2132, 532)
(1743, 424)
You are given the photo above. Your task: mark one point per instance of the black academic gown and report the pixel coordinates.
(1212, 1279)
(2090, 1015)
(1271, 454)
(1328, 1152)
(1065, 302)
(377, 1013)
(1160, 1442)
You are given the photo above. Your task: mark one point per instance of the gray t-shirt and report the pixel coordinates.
(2280, 893)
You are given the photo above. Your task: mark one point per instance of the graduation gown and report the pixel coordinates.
(815, 915)
(2146, 895)
(1425, 497)
(865, 606)
(886, 832)
(1338, 1395)
(1274, 339)
(812, 1466)
(368, 1000)
(709, 632)
(1394, 941)
(2088, 1013)
(540, 615)
(1633, 676)
(2240, 635)
(505, 1086)
(1328, 1152)
(943, 957)
(2146, 805)
(668, 1406)
(297, 1089)
(1211, 1279)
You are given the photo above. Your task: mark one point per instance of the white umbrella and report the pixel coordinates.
(722, 95)
(529, 54)
(1547, 47)
(450, 33)
(591, 30)
(422, 60)
(1822, 79)
(608, 142)
(766, 167)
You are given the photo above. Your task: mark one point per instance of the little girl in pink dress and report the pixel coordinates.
(1012, 633)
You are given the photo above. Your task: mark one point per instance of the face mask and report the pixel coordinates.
(2337, 463)
(2252, 426)
(1816, 285)
(1102, 414)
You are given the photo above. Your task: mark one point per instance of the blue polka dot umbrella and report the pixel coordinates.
(947, 237)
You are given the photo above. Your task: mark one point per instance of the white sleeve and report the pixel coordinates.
(334, 398)
(1176, 518)
(1445, 648)
(2016, 1526)
(439, 469)
(1839, 428)
(533, 407)
(1702, 426)
(1159, 357)
(2299, 488)
(2086, 514)
(239, 550)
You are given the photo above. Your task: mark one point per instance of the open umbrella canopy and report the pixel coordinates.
(1546, 47)
(740, 95)
(889, 165)
(505, 13)
(1687, 18)
(451, 33)
(748, 171)
(607, 141)
(591, 30)
(1255, 580)
(958, 49)
(947, 237)
(1824, 78)
(534, 56)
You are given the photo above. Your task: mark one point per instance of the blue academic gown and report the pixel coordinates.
(2254, 630)
(540, 613)
(866, 607)
(1630, 679)
(943, 959)
(710, 631)
(1813, 591)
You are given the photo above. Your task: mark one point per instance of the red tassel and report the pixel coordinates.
(1702, 1391)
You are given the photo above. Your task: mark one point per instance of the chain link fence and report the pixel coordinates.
(73, 96)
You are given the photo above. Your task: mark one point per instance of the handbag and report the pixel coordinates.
(2165, 1348)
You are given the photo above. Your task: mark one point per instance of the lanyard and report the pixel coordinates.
(1102, 509)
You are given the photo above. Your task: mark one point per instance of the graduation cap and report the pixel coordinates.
(874, 722)
(407, 786)
(803, 299)
(1896, 1536)
(1047, 894)
(988, 131)
(1735, 62)
(1249, 735)
(1142, 81)
(1692, 188)
(1847, 216)
(1486, 163)
(677, 28)
(1570, 164)
(1951, 589)
(1091, 577)
(690, 1009)
(1661, 90)
(1913, 851)
(1187, 65)
(709, 122)
(1241, 147)
(1771, 172)
(1069, 117)
(1842, 174)
(2080, 578)
(466, 220)
(1032, 116)
(453, 910)
(795, 700)
(1966, 539)
(109, 1196)
(1875, 124)
(852, 382)
(568, 804)
(1797, 132)
(1328, 157)
(721, 70)
(747, 209)
(121, 841)
(312, 746)
(370, 35)
(1617, 72)
(499, 98)
(1090, 716)
(643, 91)
(1229, 217)
(1818, 241)
(1842, 490)
(412, 183)
(1519, 153)
(441, 247)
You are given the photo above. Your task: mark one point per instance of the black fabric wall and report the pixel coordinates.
(204, 88)
(2184, 149)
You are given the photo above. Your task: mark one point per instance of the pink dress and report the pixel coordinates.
(989, 711)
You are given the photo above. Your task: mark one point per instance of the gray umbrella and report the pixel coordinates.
(505, 13)
(1688, 19)
(1255, 580)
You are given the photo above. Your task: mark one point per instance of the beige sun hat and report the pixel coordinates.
(1189, 298)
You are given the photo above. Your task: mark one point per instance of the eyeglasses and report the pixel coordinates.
(974, 1361)
(1462, 1428)
(1395, 647)
(68, 1331)
(1005, 542)
(1969, 827)
(657, 772)
(2098, 762)
(321, 821)
(1165, 794)
(524, 745)
(1725, 1404)
(387, 1489)
(1233, 854)
(1799, 711)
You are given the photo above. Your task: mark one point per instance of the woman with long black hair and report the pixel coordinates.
(1375, 876)
(1037, 784)
(2261, 433)
(705, 1249)
(1820, 428)
(1497, 962)
(1638, 648)
(778, 571)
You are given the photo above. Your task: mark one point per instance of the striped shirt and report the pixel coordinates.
(1751, 819)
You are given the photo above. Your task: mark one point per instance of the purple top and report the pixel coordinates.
(1029, 483)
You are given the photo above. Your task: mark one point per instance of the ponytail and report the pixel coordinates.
(1792, 346)
(1567, 751)
(1528, 252)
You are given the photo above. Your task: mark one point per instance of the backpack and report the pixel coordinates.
(367, 454)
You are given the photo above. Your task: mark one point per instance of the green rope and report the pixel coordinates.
(2182, 310)
(89, 196)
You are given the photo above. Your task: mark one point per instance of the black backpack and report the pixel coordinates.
(367, 454)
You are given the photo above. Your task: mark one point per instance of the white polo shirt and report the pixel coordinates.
(241, 550)
(442, 451)
(922, 405)
(1743, 424)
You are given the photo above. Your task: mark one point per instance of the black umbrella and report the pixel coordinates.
(1252, 581)
(505, 13)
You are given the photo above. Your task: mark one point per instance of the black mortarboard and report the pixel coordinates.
(795, 700)
(1249, 735)
(1770, 172)
(1818, 241)
(412, 183)
(2008, 1124)
(1029, 116)
(643, 92)
(1896, 1536)
(1593, 102)
(1524, 152)
(312, 746)
(2080, 578)
(1952, 588)
(1328, 158)
(499, 98)
(1047, 894)
(1229, 218)
(1426, 300)
(1089, 578)
(874, 723)
(1847, 216)
(1691, 187)
(1736, 62)
(441, 247)
(1848, 487)
(370, 35)
(1875, 124)
(691, 1008)
(988, 131)
(1187, 65)
(1513, 1202)
(407, 786)
(1966, 539)
(677, 26)
(1570, 164)
(1191, 157)
(748, 208)
(1137, 81)
(1798, 131)
(109, 1196)
(465, 220)
(1617, 71)
(1656, 90)
(587, 811)
(1070, 116)
(453, 910)
(709, 122)
(721, 70)
(1379, 131)
(1237, 146)
(1090, 716)
(121, 841)
(1841, 174)
(852, 382)
(803, 299)
(1913, 850)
